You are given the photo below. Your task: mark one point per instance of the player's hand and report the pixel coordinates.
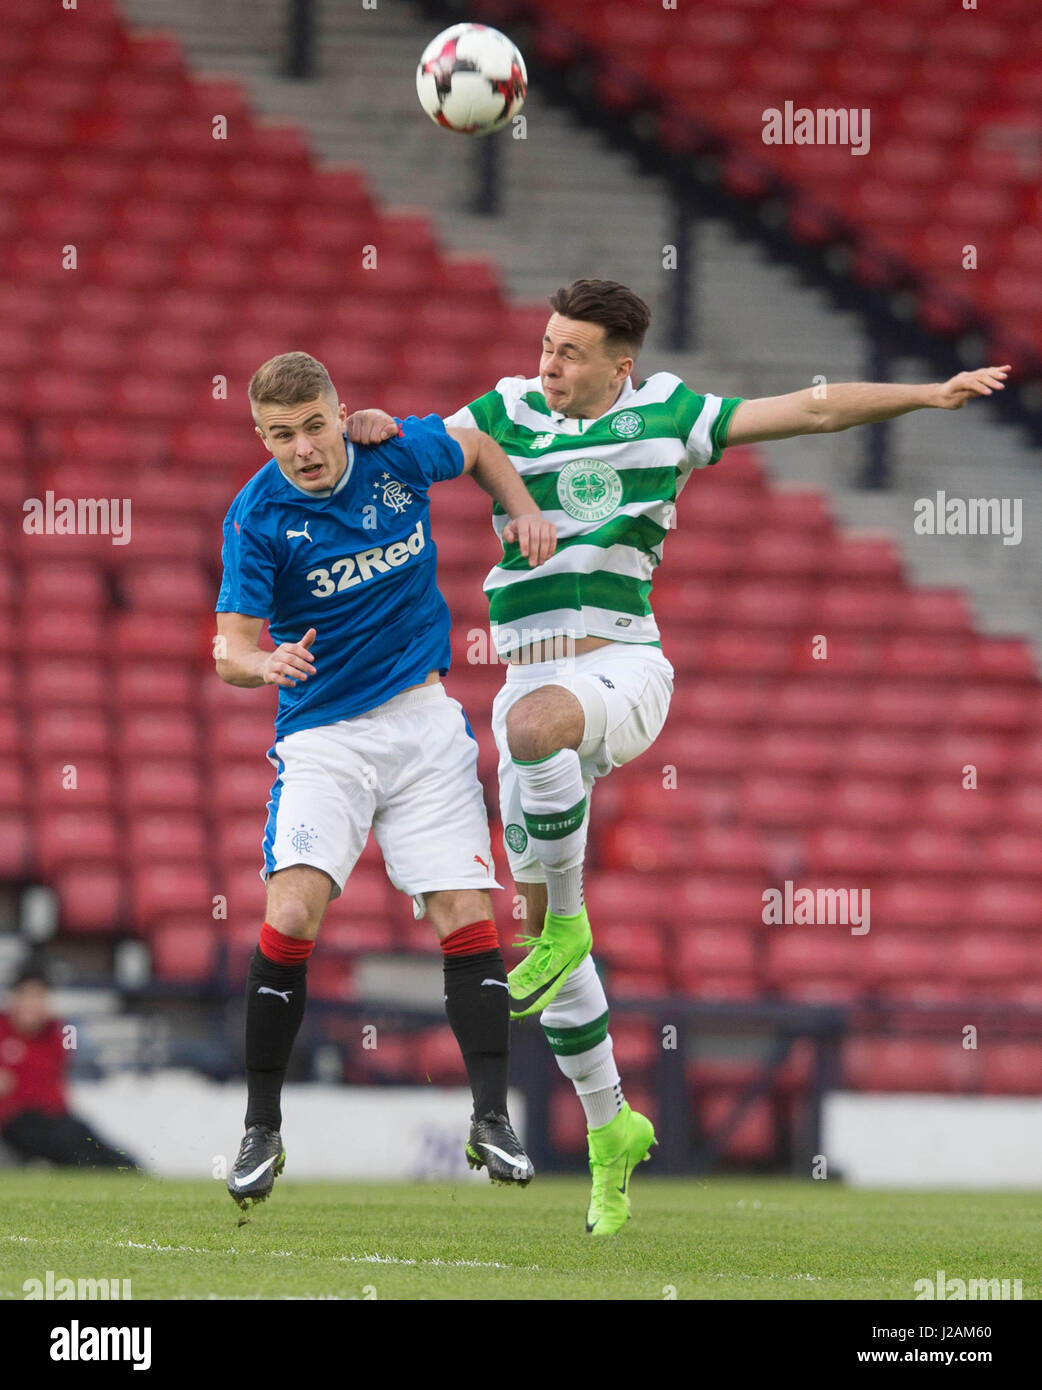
(953, 394)
(371, 427)
(290, 662)
(536, 537)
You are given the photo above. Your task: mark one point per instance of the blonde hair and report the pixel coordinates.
(292, 378)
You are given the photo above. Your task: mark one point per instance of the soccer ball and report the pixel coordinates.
(471, 79)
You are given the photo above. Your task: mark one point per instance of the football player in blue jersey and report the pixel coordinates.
(331, 544)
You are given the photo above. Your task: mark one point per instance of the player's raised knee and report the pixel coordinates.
(530, 733)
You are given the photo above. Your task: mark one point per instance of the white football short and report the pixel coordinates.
(408, 770)
(624, 689)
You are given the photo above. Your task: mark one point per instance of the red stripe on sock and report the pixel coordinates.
(286, 950)
(469, 940)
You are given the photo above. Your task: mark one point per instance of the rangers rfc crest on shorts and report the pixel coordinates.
(301, 838)
(396, 495)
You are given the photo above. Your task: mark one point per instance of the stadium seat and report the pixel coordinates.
(156, 836)
(160, 888)
(899, 1064)
(908, 904)
(1012, 1068)
(90, 900)
(924, 849)
(159, 733)
(155, 684)
(726, 949)
(163, 784)
(1003, 904)
(185, 949)
(73, 781)
(1012, 852)
(841, 849)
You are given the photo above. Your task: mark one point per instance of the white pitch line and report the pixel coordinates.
(290, 1254)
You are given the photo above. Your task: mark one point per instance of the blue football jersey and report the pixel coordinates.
(357, 563)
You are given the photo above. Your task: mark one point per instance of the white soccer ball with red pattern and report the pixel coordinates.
(471, 79)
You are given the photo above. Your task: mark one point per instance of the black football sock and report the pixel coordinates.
(477, 1003)
(275, 997)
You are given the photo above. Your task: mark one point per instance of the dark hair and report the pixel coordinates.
(623, 314)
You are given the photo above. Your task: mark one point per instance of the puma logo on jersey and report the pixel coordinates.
(361, 567)
(282, 994)
(290, 534)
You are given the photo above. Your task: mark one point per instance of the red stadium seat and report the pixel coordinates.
(911, 904)
(158, 836)
(156, 684)
(1013, 852)
(909, 1064)
(157, 889)
(240, 785)
(52, 584)
(159, 733)
(51, 679)
(185, 949)
(74, 781)
(780, 801)
(996, 905)
(926, 849)
(1012, 1069)
(67, 837)
(900, 955)
(717, 950)
(163, 784)
(849, 850)
(718, 898)
(636, 945)
(806, 702)
(91, 900)
(71, 733)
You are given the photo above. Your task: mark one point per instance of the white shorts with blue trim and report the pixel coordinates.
(408, 770)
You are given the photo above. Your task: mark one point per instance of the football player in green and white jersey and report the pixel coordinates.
(587, 684)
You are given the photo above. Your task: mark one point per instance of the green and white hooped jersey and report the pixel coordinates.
(610, 486)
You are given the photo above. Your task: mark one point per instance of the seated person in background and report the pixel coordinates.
(34, 1115)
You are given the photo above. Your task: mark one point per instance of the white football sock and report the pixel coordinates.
(576, 1027)
(554, 804)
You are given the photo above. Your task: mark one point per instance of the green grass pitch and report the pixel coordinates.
(721, 1238)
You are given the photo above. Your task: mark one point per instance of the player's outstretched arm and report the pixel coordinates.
(826, 409)
(240, 661)
(493, 471)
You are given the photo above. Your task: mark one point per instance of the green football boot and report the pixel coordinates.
(564, 944)
(615, 1150)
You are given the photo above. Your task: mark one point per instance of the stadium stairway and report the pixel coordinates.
(589, 210)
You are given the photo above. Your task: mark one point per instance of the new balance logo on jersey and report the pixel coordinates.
(543, 441)
(291, 534)
(282, 994)
(360, 568)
